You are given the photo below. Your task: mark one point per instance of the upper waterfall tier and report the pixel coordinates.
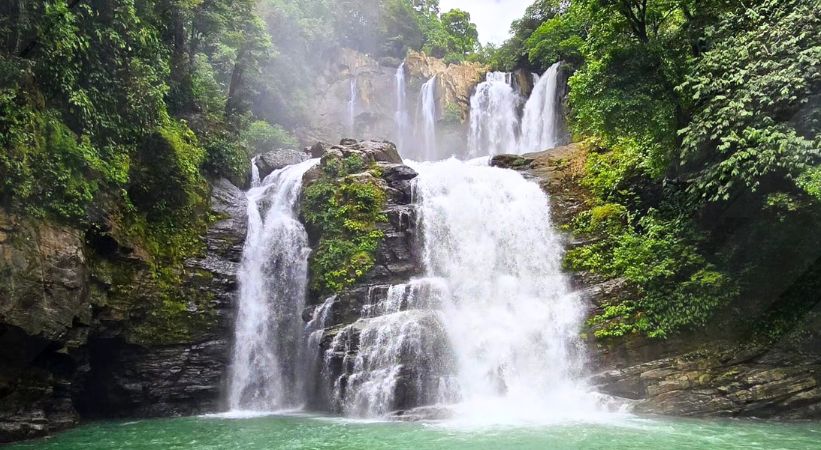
(495, 123)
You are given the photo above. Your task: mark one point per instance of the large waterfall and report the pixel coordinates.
(488, 331)
(265, 370)
(542, 122)
(511, 319)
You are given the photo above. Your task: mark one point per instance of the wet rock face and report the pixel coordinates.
(341, 325)
(178, 378)
(715, 383)
(44, 317)
(456, 81)
(43, 277)
(64, 348)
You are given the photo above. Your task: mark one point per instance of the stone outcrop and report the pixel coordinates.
(455, 82)
(340, 319)
(45, 316)
(709, 373)
(719, 379)
(80, 335)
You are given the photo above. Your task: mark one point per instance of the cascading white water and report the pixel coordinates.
(401, 114)
(426, 120)
(393, 355)
(511, 319)
(272, 283)
(494, 121)
(541, 123)
(255, 181)
(352, 107)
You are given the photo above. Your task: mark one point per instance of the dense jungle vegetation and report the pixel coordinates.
(114, 113)
(702, 119)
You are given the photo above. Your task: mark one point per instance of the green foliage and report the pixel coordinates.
(452, 114)
(757, 121)
(46, 169)
(560, 38)
(462, 33)
(344, 207)
(677, 288)
(694, 108)
(261, 137)
(166, 180)
(226, 156)
(514, 53)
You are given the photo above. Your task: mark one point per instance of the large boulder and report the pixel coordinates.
(278, 159)
(368, 151)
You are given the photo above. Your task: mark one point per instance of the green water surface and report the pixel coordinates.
(307, 432)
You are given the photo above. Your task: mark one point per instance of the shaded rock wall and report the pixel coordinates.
(73, 312)
(45, 316)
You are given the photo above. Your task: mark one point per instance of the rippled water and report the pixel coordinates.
(306, 432)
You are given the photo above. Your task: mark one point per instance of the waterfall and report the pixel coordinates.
(427, 113)
(272, 283)
(401, 114)
(494, 120)
(352, 106)
(255, 181)
(493, 117)
(541, 123)
(394, 357)
(511, 319)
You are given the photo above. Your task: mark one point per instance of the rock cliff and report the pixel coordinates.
(84, 332)
(352, 75)
(346, 326)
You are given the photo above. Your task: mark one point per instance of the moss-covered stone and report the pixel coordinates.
(343, 208)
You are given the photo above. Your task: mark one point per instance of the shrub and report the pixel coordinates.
(261, 137)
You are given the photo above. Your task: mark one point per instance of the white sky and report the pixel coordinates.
(492, 17)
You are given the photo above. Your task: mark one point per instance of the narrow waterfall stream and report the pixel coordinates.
(426, 121)
(541, 123)
(352, 107)
(401, 114)
(265, 370)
